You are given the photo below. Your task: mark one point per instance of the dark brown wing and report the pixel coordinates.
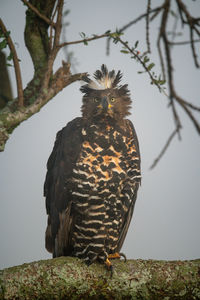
(133, 181)
(57, 187)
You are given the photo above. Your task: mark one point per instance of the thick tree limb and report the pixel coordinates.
(36, 11)
(9, 120)
(70, 278)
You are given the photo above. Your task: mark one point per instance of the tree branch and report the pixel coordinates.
(158, 158)
(71, 278)
(16, 64)
(36, 11)
(147, 26)
(182, 43)
(56, 48)
(82, 41)
(9, 120)
(155, 10)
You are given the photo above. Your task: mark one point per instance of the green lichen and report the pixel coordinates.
(70, 278)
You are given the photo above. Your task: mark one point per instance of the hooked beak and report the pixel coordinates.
(104, 103)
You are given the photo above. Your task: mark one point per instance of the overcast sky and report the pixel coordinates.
(166, 220)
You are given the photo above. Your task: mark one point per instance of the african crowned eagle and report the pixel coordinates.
(93, 174)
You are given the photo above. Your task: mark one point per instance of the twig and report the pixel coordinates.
(96, 37)
(193, 48)
(16, 64)
(161, 57)
(153, 10)
(147, 26)
(192, 23)
(153, 81)
(51, 27)
(183, 42)
(172, 135)
(56, 47)
(184, 105)
(174, 28)
(36, 11)
(122, 29)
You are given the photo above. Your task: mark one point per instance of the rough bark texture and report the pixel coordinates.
(5, 84)
(70, 278)
(10, 117)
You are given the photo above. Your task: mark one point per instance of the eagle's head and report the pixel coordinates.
(105, 98)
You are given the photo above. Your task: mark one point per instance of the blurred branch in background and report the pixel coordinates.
(10, 43)
(164, 48)
(5, 84)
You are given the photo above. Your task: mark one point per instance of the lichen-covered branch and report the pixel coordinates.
(37, 12)
(10, 119)
(70, 278)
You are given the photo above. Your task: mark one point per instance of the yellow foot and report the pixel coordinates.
(117, 255)
(113, 256)
(109, 267)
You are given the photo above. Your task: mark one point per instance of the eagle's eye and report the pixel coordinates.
(112, 99)
(96, 100)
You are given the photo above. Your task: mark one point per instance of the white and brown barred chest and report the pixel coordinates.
(102, 190)
(107, 158)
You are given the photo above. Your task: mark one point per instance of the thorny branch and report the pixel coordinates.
(164, 47)
(16, 63)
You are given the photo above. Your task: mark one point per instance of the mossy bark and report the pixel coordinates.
(5, 84)
(70, 278)
(36, 94)
(10, 119)
(37, 42)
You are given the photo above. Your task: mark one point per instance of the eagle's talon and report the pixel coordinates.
(123, 255)
(117, 255)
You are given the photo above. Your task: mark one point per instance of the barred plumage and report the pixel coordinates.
(93, 174)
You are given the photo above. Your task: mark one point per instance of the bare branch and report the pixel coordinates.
(184, 105)
(182, 43)
(122, 29)
(192, 23)
(172, 135)
(56, 47)
(51, 29)
(147, 26)
(16, 64)
(153, 10)
(193, 48)
(161, 57)
(36, 11)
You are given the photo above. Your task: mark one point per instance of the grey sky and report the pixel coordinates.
(166, 220)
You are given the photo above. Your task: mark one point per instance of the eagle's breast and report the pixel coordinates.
(99, 177)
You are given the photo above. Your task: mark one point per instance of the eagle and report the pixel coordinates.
(93, 174)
